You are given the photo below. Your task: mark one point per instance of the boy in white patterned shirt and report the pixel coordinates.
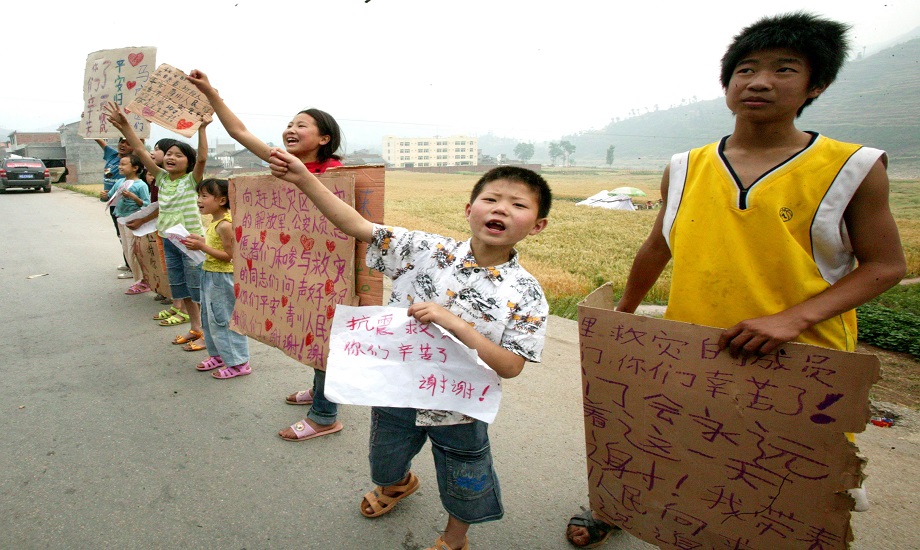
(478, 291)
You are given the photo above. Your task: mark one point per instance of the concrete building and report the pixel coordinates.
(84, 156)
(402, 152)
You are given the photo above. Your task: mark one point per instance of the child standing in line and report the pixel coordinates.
(177, 181)
(225, 347)
(135, 196)
(776, 234)
(477, 290)
(110, 176)
(313, 137)
(175, 315)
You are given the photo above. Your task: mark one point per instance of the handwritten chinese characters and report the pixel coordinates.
(171, 101)
(689, 448)
(116, 76)
(291, 266)
(380, 356)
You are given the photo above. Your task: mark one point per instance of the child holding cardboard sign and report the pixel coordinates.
(776, 234)
(477, 290)
(177, 180)
(313, 136)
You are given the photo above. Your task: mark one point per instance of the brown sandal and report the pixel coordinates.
(184, 338)
(381, 503)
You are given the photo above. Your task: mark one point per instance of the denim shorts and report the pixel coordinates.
(462, 458)
(183, 273)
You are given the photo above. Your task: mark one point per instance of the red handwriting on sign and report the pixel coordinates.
(461, 388)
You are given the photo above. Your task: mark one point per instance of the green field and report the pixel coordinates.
(582, 247)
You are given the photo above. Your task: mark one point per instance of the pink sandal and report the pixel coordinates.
(211, 363)
(303, 397)
(232, 372)
(138, 288)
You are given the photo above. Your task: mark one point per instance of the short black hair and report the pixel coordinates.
(215, 187)
(531, 179)
(823, 42)
(188, 151)
(165, 143)
(138, 165)
(327, 126)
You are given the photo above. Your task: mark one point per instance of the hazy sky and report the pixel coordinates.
(530, 70)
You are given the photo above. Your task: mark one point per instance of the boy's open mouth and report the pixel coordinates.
(495, 225)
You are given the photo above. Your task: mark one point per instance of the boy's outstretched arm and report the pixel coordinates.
(880, 265)
(650, 260)
(289, 168)
(117, 118)
(228, 119)
(505, 363)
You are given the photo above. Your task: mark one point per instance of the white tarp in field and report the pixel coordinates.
(604, 199)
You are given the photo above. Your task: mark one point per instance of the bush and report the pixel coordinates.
(890, 328)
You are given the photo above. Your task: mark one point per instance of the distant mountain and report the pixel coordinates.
(875, 101)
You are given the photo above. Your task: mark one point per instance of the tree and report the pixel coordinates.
(555, 151)
(610, 151)
(524, 151)
(567, 151)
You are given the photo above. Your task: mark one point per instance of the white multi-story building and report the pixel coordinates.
(403, 152)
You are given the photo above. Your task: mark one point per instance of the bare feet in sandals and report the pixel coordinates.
(382, 499)
(307, 429)
(584, 531)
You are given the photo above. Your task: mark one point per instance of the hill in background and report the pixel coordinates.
(875, 101)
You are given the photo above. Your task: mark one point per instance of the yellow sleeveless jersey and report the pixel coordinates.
(745, 253)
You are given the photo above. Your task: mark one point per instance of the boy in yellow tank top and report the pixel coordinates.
(776, 234)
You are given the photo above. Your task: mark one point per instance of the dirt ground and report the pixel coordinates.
(900, 383)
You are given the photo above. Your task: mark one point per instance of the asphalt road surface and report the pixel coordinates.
(111, 439)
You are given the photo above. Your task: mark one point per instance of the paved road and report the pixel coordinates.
(112, 440)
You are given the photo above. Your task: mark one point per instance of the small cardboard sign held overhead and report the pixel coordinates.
(116, 76)
(690, 448)
(171, 101)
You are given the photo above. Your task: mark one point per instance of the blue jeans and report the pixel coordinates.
(217, 300)
(322, 411)
(184, 275)
(462, 459)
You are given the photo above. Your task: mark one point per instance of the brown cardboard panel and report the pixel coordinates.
(690, 448)
(149, 251)
(291, 265)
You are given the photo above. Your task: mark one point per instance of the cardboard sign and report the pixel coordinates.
(116, 76)
(149, 251)
(171, 101)
(382, 357)
(690, 448)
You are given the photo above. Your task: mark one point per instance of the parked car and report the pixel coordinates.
(24, 173)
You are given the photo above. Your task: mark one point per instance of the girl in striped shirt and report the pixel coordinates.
(177, 182)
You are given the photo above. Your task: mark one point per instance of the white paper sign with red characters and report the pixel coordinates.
(380, 356)
(116, 76)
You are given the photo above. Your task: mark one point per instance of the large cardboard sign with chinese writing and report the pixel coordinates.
(116, 76)
(690, 448)
(149, 251)
(171, 101)
(380, 356)
(292, 266)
